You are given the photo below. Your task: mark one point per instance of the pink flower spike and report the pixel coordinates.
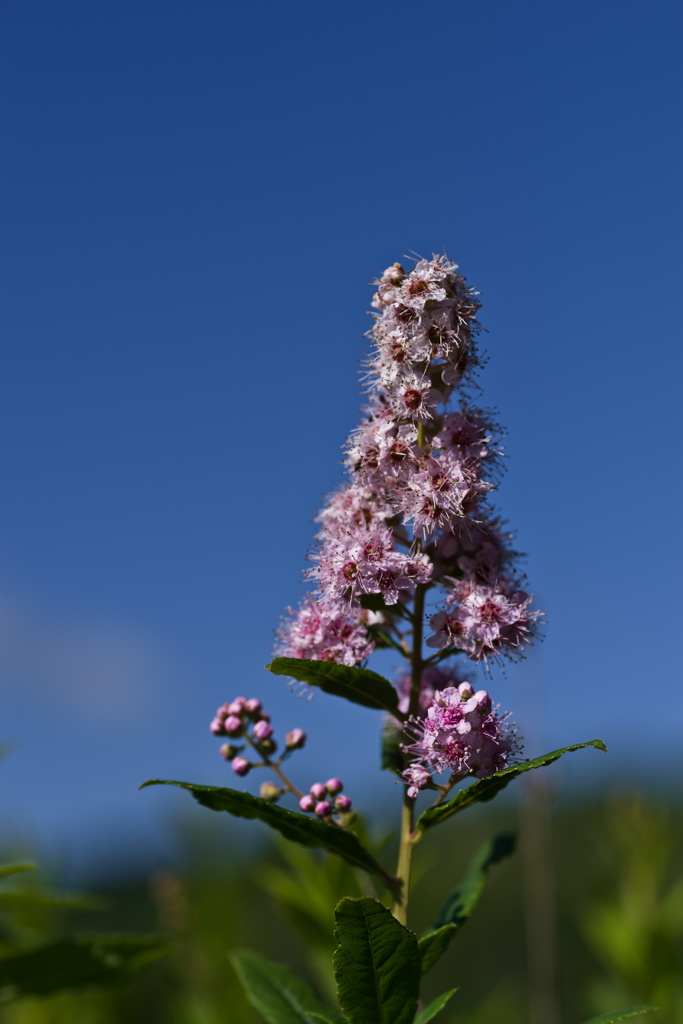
(263, 730)
(323, 810)
(307, 803)
(334, 786)
(233, 725)
(295, 739)
(240, 766)
(318, 790)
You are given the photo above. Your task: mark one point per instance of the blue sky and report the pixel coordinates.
(194, 197)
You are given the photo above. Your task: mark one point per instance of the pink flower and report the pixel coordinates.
(325, 632)
(484, 620)
(463, 734)
(433, 678)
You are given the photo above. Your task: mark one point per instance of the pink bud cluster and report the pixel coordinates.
(245, 719)
(318, 800)
(462, 733)
(415, 509)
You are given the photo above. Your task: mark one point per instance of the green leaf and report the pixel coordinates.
(434, 944)
(279, 996)
(392, 755)
(29, 900)
(94, 960)
(376, 964)
(20, 865)
(360, 685)
(462, 901)
(435, 1007)
(486, 789)
(629, 1011)
(298, 828)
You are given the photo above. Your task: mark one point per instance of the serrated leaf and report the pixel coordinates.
(458, 907)
(298, 828)
(629, 1011)
(392, 755)
(434, 944)
(278, 995)
(85, 960)
(376, 964)
(359, 685)
(486, 789)
(20, 865)
(435, 1007)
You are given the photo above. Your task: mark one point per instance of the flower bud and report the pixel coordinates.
(483, 700)
(217, 727)
(323, 810)
(295, 739)
(236, 707)
(233, 725)
(466, 690)
(270, 792)
(227, 751)
(342, 803)
(263, 716)
(263, 730)
(318, 790)
(267, 747)
(223, 711)
(307, 803)
(252, 706)
(334, 786)
(240, 766)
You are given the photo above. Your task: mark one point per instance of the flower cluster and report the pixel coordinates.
(319, 797)
(415, 510)
(433, 678)
(462, 733)
(245, 719)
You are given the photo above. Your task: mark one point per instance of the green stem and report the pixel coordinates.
(275, 767)
(405, 853)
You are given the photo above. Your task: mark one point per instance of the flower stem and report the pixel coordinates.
(400, 908)
(275, 767)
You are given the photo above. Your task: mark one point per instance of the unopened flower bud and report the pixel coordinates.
(263, 716)
(307, 803)
(217, 727)
(223, 711)
(227, 751)
(334, 786)
(318, 790)
(483, 700)
(252, 706)
(240, 766)
(270, 792)
(236, 707)
(342, 803)
(263, 730)
(295, 739)
(323, 809)
(466, 690)
(267, 747)
(233, 725)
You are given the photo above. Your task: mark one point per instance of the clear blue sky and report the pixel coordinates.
(193, 199)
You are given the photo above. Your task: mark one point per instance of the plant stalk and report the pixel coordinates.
(405, 854)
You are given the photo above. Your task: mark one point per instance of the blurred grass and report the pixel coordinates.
(618, 867)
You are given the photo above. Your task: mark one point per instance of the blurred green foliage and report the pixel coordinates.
(619, 881)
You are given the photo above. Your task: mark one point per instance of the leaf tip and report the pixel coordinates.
(150, 782)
